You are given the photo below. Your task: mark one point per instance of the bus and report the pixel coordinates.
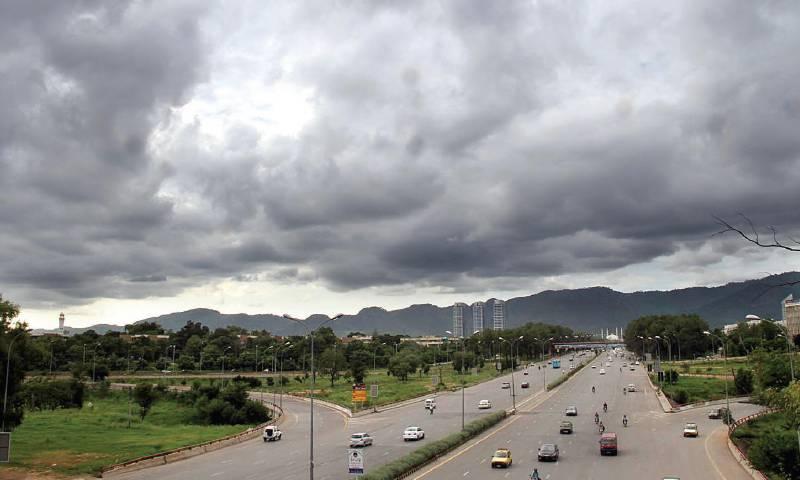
(556, 363)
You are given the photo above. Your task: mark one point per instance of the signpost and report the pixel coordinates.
(373, 390)
(435, 380)
(5, 447)
(355, 462)
(359, 393)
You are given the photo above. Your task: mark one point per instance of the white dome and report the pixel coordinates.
(752, 317)
(612, 337)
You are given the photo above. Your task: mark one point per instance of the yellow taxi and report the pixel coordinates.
(501, 458)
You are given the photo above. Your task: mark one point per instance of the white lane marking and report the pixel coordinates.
(386, 453)
(465, 473)
(225, 461)
(483, 461)
(507, 474)
(259, 462)
(217, 474)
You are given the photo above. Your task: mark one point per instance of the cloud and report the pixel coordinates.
(450, 146)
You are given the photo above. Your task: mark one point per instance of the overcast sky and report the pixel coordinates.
(302, 157)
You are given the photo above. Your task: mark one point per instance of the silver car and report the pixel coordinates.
(360, 440)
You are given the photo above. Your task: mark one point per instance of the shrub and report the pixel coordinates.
(251, 382)
(671, 376)
(778, 452)
(40, 394)
(681, 396)
(145, 396)
(744, 381)
(270, 381)
(228, 406)
(685, 367)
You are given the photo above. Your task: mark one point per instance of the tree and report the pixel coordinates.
(359, 362)
(19, 335)
(145, 397)
(771, 369)
(331, 362)
(400, 367)
(144, 328)
(777, 451)
(744, 381)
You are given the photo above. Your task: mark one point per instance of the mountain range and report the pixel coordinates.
(585, 309)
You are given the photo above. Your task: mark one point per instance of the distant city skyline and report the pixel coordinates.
(446, 152)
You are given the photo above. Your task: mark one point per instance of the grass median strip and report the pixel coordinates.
(423, 455)
(563, 378)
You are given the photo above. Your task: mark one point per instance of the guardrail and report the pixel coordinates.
(737, 452)
(189, 451)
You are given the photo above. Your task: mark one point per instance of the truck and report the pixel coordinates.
(556, 363)
(608, 444)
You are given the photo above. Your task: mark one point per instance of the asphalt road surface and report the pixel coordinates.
(651, 447)
(289, 458)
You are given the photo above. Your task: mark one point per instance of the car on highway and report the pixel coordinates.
(505, 385)
(571, 411)
(717, 412)
(636, 362)
(594, 366)
(430, 404)
(631, 387)
(690, 430)
(565, 427)
(501, 458)
(633, 369)
(608, 443)
(360, 440)
(271, 433)
(525, 385)
(525, 372)
(602, 371)
(572, 367)
(483, 404)
(413, 433)
(548, 451)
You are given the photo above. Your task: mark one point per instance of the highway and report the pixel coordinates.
(651, 447)
(288, 458)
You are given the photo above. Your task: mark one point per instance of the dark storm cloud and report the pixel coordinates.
(453, 145)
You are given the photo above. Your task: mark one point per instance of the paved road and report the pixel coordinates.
(288, 459)
(651, 447)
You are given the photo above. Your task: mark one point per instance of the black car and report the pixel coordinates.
(525, 385)
(548, 451)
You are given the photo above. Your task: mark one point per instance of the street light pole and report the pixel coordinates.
(725, 358)
(513, 385)
(312, 333)
(222, 367)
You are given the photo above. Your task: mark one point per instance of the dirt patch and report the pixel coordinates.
(62, 459)
(19, 474)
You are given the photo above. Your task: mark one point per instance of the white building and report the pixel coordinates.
(499, 315)
(477, 317)
(791, 315)
(750, 320)
(458, 319)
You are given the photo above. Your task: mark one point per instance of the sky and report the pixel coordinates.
(320, 157)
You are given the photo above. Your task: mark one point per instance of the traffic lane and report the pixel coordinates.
(251, 459)
(386, 427)
(651, 447)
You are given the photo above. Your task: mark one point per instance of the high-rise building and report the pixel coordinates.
(477, 317)
(458, 319)
(791, 315)
(499, 315)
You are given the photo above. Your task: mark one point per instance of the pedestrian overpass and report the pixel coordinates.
(598, 345)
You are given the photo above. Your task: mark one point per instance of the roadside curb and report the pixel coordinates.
(738, 454)
(662, 399)
(710, 403)
(189, 451)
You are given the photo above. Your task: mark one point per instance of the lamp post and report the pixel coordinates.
(222, 367)
(173, 355)
(311, 333)
(94, 356)
(544, 370)
(288, 345)
(8, 369)
(463, 372)
(725, 357)
(513, 385)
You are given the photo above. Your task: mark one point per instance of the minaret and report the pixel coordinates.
(61, 321)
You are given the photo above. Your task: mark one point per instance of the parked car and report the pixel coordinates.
(271, 433)
(360, 440)
(608, 444)
(690, 430)
(565, 427)
(501, 458)
(505, 385)
(525, 385)
(483, 404)
(413, 433)
(571, 411)
(548, 451)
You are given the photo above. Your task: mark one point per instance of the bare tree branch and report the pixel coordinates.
(754, 237)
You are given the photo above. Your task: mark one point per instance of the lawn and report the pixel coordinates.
(72, 441)
(709, 367)
(699, 389)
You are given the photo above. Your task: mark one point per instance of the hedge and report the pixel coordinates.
(423, 455)
(563, 378)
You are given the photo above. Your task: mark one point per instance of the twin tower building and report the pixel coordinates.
(478, 309)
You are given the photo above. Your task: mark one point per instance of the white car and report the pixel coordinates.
(413, 433)
(631, 387)
(483, 404)
(602, 371)
(572, 367)
(360, 440)
(505, 385)
(594, 366)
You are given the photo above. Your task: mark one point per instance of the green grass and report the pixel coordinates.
(72, 441)
(390, 389)
(745, 435)
(700, 389)
(708, 367)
